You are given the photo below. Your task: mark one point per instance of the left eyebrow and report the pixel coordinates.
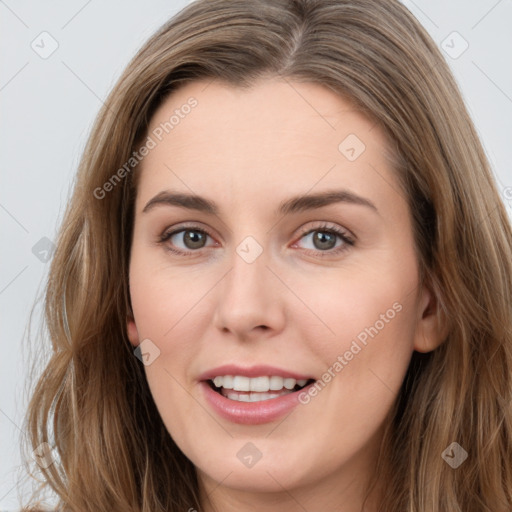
(294, 205)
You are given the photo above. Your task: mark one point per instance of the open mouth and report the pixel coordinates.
(244, 389)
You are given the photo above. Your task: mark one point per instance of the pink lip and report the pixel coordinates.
(250, 413)
(253, 371)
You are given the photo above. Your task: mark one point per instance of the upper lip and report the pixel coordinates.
(261, 370)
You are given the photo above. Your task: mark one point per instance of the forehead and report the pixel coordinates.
(297, 112)
(277, 135)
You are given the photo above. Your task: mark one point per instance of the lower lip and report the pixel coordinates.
(251, 413)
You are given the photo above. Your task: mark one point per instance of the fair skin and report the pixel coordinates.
(298, 305)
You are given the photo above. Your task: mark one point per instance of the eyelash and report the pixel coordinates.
(324, 228)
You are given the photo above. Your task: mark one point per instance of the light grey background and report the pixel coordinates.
(47, 109)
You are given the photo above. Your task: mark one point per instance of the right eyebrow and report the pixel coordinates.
(189, 201)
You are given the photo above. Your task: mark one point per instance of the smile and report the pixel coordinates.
(246, 389)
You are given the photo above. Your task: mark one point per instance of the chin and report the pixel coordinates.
(262, 480)
(269, 474)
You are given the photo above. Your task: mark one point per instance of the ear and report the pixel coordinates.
(431, 327)
(131, 328)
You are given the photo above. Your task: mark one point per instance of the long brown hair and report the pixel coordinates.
(92, 402)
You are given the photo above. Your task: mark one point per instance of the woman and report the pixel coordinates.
(283, 281)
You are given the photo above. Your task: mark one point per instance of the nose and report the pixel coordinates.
(250, 300)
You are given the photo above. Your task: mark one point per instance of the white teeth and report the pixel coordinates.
(257, 384)
(227, 382)
(276, 383)
(289, 383)
(253, 397)
(241, 383)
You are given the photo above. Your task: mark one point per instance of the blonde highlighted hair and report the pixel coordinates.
(92, 402)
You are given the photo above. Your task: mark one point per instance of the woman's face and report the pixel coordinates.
(272, 247)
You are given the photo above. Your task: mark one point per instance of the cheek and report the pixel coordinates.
(357, 305)
(164, 303)
(367, 326)
(363, 362)
(170, 308)
(163, 296)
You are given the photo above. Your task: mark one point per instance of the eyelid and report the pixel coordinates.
(187, 225)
